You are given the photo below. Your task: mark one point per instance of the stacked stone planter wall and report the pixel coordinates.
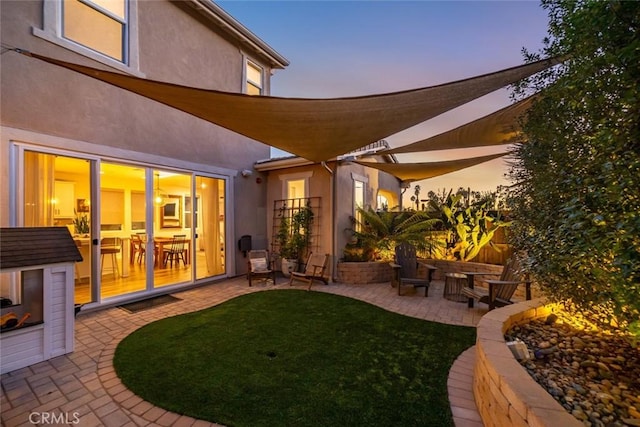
(504, 392)
(359, 273)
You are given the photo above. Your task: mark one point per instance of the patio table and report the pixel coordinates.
(453, 284)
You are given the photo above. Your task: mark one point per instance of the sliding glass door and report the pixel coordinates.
(138, 228)
(122, 224)
(208, 215)
(57, 192)
(172, 234)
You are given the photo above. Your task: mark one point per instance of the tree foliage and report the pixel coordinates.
(576, 191)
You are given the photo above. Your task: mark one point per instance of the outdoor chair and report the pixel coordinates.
(313, 270)
(260, 266)
(500, 291)
(405, 269)
(175, 252)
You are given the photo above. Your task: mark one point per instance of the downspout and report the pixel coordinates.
(332, 196)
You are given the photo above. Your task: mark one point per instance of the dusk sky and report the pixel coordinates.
(340, 48)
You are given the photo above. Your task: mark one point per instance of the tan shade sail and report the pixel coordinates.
(418, 171)
(498, 128)
(315, 129)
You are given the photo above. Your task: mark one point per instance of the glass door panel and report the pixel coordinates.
(209, 218)
(122, 230)
(57, 192)
(172, 237)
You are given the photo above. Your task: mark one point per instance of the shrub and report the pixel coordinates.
(577, 177)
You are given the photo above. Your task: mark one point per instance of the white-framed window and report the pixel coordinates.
(254, 78)
(359, 191)
(103, 30)
(295, 185)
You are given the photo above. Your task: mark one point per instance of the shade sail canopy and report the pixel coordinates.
(498, 128)
(418, 171)
(315, 129)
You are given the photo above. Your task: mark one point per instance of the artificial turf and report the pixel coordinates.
(295, 358)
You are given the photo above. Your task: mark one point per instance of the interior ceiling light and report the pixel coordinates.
(158, 200)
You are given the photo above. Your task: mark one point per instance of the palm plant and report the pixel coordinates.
(376, 234)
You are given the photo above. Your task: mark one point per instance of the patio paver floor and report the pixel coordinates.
(84, 386)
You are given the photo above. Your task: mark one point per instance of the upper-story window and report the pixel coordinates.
(103, 30)
(100, 25)
(254, 79)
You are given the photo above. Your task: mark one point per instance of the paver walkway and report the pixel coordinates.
(81, 388)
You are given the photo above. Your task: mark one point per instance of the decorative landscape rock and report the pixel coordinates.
(594, 374)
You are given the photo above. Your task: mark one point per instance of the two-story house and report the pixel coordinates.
(124, 173)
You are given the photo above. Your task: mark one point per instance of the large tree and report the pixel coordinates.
(576, 191)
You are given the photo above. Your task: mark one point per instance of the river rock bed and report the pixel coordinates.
(593, 374)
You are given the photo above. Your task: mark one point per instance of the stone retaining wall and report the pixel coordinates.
(505, 394)
(359, 273)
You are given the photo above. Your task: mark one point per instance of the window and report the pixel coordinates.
(359, 183)
(382, 202)
(295, 189)
(254, 79)
(100, 25)
(103, 30)
(295, 185)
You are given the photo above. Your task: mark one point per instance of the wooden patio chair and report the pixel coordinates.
(405, 269)
(260, 266)
(500, 291)
(313, 270)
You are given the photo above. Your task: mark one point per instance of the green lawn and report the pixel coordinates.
(295, 358)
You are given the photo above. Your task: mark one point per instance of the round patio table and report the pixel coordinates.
(453, 284)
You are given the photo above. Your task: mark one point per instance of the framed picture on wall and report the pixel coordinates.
(82, 205)
(171, 213)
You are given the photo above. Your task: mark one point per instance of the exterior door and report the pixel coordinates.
(57, 192)
(207, 216)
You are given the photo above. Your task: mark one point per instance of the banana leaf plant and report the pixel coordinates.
(472, 227)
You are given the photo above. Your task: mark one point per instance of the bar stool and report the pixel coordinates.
(110, 246)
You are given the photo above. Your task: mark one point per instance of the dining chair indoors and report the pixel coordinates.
(175, 252)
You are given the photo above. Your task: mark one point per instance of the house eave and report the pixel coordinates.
(281, 163)
(232, 26)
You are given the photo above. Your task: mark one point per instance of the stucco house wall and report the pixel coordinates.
(319, 186)
(333, 182)
(56, 108)
(375, 181)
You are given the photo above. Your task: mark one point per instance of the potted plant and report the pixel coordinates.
(81, 224)
(294, 237)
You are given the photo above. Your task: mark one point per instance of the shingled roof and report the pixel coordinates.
(30, 246)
